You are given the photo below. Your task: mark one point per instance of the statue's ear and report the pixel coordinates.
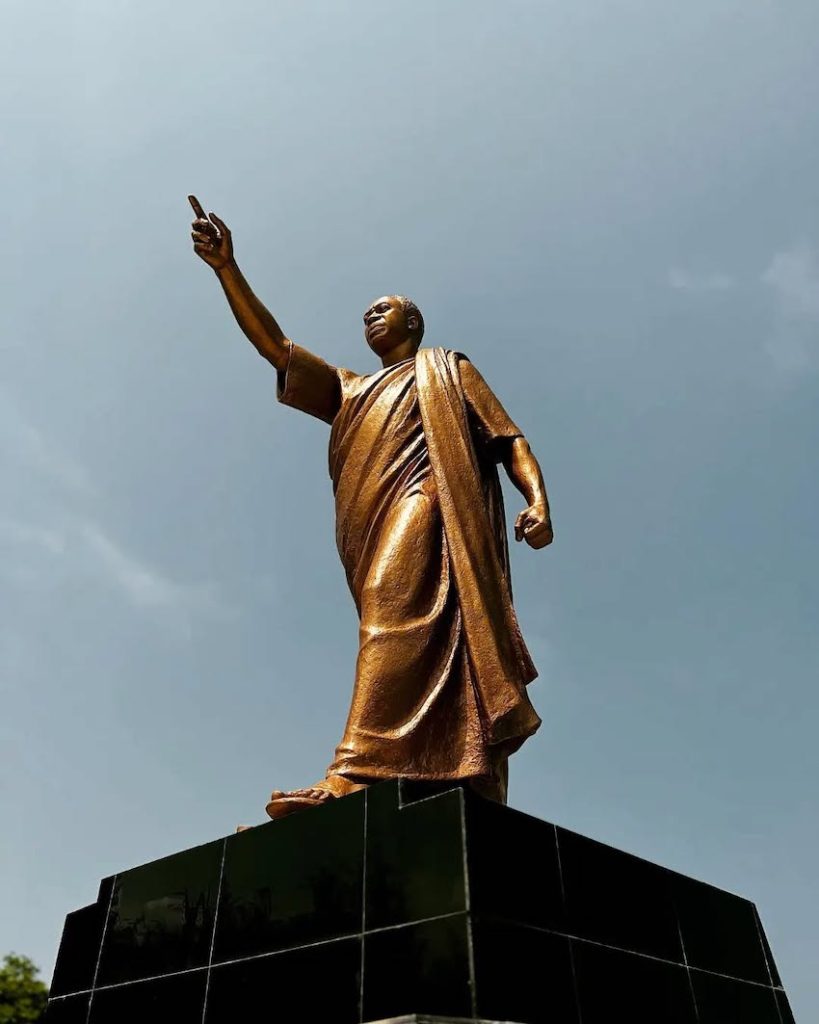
(412, 323)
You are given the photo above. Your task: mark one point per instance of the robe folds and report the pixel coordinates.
(441, 674)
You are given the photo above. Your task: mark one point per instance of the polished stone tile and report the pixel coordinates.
(614, 986)
(785, 1011)
(316, 983)
(80, 945)
(776, 981)
(522, 974)
(293, 881)
(514, 872)
(177, 999)
(71, 1010)
(411, 791)
(79, 949)
(719, 931)
(162, 916)
(618, 899)
(415, 857)
(418, 968)
(725, 1001)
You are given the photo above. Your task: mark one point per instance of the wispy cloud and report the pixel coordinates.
(793, 279)
(58, 535)
(12, 532)
(686, 281)
(146, 586)
(38, 555)
(23, 443)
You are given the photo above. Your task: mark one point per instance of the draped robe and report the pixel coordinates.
(441, 674)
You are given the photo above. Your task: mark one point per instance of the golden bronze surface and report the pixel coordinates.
(442, 669)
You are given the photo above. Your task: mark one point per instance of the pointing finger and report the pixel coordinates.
(197, 207)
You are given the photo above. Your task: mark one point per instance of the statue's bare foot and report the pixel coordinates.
(283, 802)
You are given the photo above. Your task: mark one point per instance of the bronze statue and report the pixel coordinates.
(440, 682)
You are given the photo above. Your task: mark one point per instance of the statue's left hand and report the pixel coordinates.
(534, 526)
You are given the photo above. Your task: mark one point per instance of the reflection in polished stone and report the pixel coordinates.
(314, 893)
(162, 916)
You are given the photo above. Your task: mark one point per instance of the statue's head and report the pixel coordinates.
(390, 321)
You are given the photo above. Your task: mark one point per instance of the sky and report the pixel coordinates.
(613, 209)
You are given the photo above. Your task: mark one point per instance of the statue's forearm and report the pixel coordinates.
(524, 472)
(253, 317)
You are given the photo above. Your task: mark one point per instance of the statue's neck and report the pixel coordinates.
(406, 350)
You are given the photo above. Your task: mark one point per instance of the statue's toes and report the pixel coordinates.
(311, 794)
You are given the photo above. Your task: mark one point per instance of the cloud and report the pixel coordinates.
(23, 443)
(144, 585)
(793, 280)
(81, 549)
(53, 538)
(684, 280)
(23, 533)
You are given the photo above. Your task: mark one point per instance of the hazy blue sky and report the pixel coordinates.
(613, 208)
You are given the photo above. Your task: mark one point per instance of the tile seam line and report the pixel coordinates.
(629, 952)
(575, 986)
(215, 923)
(403, 805)
(260, 956)
(685, 959)
(765, 950)
(470, 943)
(363, 906)
(102, 943)
(409, 924)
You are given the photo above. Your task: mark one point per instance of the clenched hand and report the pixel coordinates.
(534, 526)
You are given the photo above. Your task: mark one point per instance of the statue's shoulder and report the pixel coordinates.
(447, 354)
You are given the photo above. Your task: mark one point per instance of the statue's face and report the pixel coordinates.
(385, 325)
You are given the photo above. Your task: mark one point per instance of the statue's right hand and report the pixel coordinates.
(211, 237)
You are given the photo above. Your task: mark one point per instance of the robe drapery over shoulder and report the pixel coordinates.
(440, 684)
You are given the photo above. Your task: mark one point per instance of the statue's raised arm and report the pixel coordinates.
(213, 244)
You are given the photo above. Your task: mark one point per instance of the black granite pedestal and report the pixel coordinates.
(400, 901)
